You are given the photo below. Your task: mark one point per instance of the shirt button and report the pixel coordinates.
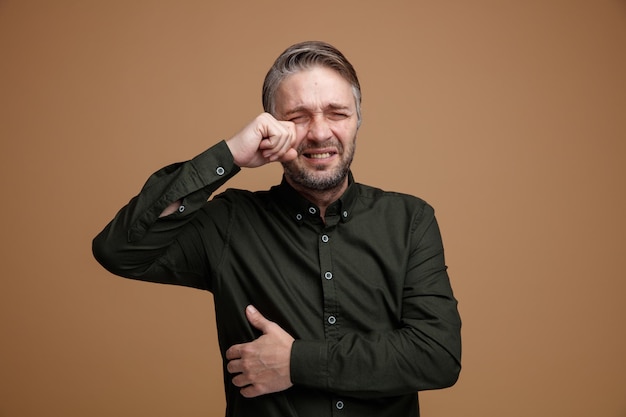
(332, 320)
(181, 208)
(325, 238)
(339, 405)
(298, 216)
(220, 171)
(328, 275)
(345, 214)
(312, 210)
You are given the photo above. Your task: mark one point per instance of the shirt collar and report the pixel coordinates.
(301, 209)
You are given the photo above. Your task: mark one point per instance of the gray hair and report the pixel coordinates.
(306, 55)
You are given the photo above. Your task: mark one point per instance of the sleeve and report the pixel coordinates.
(424, 353)
(138, 244)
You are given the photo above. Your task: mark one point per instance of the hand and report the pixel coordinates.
(264, 140)
(262, 366)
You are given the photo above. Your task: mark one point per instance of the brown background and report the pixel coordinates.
(509, 117)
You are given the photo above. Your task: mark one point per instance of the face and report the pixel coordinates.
(322, 106)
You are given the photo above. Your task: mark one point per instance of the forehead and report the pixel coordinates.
(314, 88)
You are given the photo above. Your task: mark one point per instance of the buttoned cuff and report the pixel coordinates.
(215, 164)
(193, 182)
(309, 364)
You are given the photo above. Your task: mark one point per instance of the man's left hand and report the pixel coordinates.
(261, 366)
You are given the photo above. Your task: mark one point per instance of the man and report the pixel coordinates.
(331, 297)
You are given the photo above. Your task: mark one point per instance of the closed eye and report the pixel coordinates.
(338, 115)
(299, 119)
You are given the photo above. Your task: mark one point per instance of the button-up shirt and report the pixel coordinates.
(364, 291)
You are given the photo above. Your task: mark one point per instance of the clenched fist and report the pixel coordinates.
(264, 140)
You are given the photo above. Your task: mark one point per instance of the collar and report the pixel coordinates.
(300, 209)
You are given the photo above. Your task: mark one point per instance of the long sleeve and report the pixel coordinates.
(134, 243)
(366, 294)
(423, 353)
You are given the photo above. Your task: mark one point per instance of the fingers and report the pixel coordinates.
(237, 366)
(257, 319)
(248, 389)
(279, 138)
(243, 380)
(244, 374)
(264, 140)
(262, 365)
(233, 352)
(251, 391)
(259, 322)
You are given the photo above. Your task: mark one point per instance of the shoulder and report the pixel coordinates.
(376, 196)
(244, 199)
(397, 212)
(239, 195)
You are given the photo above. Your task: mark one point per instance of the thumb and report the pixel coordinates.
(256, 319)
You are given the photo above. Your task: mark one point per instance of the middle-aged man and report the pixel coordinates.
(331, 297)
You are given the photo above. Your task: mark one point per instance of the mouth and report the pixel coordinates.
(319, 155)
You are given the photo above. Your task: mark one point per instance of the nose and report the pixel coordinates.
(319, 129)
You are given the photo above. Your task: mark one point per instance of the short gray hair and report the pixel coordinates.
(306, 55)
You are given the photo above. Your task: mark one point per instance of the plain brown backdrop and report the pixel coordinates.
(508, 117)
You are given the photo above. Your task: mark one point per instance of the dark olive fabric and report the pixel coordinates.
(364, 292)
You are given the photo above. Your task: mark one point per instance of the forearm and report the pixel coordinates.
(378, 364)
(138, 235)
(423, 352)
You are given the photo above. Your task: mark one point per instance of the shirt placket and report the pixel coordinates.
(329, 290)
(332, 318)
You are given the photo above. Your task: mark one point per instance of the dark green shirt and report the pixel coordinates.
(365, 294)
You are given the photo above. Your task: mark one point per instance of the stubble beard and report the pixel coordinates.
(317, 180)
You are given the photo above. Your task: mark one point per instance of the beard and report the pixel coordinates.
(319, 177)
